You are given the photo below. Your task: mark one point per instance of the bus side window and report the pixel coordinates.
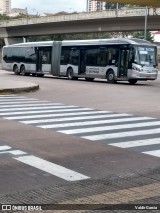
(65, 56)
(92, 57)
(101, 57)
(46, 58)
(74, 56)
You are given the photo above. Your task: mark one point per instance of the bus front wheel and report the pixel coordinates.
(132, 81)
(70, 74)
(110, 77)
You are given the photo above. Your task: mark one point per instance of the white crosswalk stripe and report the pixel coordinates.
(116, 129)
(74, 118)
(30, 105)
(107, 128)
(40, 107)
(137, 143)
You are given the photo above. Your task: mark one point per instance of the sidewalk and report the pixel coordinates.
(9, 86)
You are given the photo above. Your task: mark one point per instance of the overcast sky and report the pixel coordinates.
(50, 6)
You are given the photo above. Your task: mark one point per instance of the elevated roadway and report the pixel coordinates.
(106, 21)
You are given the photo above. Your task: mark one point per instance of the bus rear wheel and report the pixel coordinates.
(15, 70)
(110, 77)
(23, 70)
(132, 81)
(70, 74)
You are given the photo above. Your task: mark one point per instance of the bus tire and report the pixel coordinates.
(70, 74)
(110, 76)
(23, 70)
(132, 81)
(15, 70)
(89, 79)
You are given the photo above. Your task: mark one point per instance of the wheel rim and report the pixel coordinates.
(111, 76)
(23, 71)
(16, 70)
(70, 74)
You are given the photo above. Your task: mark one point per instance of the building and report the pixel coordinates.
(5, 6)
(18, 12)
(95, 6)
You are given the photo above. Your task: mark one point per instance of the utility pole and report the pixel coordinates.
(117, 7)
(145, 26)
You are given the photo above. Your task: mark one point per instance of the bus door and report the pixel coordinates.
(123, 62)
(39, 60)
(82, 61)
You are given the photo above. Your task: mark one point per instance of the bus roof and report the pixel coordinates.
(133, 41)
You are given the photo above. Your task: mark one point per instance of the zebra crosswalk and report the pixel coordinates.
(115, 129)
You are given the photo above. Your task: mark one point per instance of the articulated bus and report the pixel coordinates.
(112, 59)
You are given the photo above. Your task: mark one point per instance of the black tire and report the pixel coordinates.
(23, 70)
(110, 77)
(132, 81)
(34, 74)
(15, 70)
(70, 74)
(89, 79)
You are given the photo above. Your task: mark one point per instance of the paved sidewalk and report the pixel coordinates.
(8, 86)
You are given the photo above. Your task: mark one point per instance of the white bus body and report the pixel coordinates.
(112, 59)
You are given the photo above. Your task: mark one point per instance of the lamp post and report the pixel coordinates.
(117, 7)
(145, 26)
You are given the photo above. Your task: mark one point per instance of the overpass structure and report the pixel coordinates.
(106, 21)
(149, 3)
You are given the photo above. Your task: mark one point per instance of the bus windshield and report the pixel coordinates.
(147, 56)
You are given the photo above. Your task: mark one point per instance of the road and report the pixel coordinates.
(71, 136)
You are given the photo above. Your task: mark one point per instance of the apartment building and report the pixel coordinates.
(5, 6)
(95, 5)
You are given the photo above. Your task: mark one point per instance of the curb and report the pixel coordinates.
(19, 90)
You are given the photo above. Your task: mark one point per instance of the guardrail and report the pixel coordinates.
(81, 16)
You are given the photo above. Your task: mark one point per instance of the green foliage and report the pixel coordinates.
(60, 37)
(149, 36)
(4, 17)
(113, 6)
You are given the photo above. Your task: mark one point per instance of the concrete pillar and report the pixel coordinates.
(9, 41)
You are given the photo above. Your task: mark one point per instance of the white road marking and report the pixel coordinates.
(23, 102)
(155, 153)
(56, 115)
(51, 168)
(40, 107)
(14, 152)
(43, 111)
(4, 148)
(12, 97)
(8, 95)
(122, 134)
(86, 123)
(137, 143)
(74, 118)
(30, 105)
(18, 99)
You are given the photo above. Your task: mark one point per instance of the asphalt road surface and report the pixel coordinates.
(74, 133)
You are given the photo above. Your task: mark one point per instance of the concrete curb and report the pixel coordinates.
(19, 90)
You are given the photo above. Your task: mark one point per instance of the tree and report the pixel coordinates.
(113, 6)
(4, 17)
(140, 34)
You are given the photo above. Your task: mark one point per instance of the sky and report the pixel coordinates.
(50, 6)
